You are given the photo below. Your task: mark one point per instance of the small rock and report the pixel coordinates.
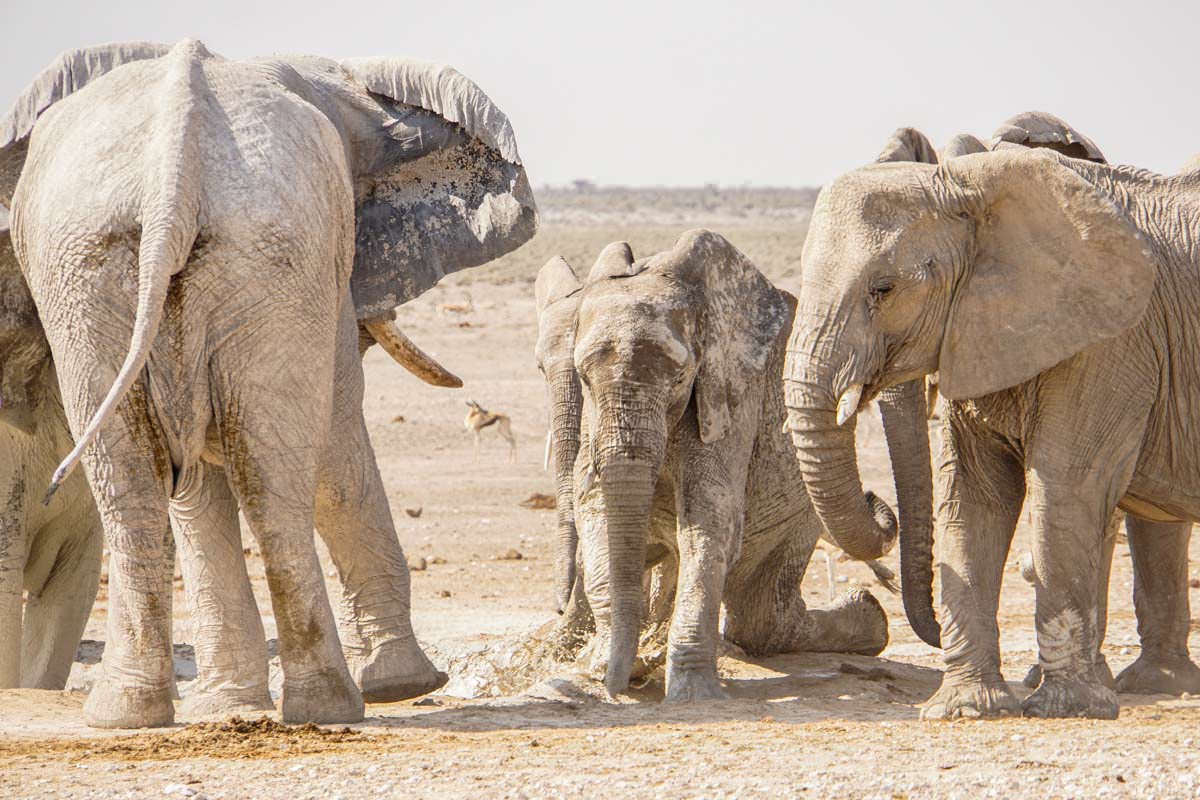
(1194, 583)
(428, 701)
(444, 593)
(510, 555)
(415, 513)
(418, 564)
(437, 560)
(399, 418)
(179, 789)
(539, 502)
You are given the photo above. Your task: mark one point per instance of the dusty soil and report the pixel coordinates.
(796, 725)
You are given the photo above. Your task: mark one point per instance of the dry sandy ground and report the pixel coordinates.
(796, 726)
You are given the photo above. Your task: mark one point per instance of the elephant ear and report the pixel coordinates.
(555, 281)
(67, 74)
(440, 186)
(742, 317)
(614, 261)
(1058, 266)
(1042, 129)
(964, 144)
(907, 144)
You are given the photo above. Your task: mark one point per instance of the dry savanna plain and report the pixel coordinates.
(510, 725)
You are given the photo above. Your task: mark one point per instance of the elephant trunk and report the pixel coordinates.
(628, 492)
(627, 450)
(903, 410)
(829, 464)
(566, 411)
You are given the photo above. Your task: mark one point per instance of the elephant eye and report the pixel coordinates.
(882, 288)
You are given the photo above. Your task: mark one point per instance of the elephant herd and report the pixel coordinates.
(200, 251)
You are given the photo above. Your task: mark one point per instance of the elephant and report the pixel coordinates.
(204, 240)
(53, 553)
(1069, 387)
(682, 451)
(1152, 673)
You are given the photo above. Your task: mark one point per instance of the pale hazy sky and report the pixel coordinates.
(688, 93)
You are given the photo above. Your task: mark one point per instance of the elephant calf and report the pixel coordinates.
(681, 452)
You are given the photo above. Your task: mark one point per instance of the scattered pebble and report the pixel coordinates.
(510, 554)
(415, 513)
(418, 564)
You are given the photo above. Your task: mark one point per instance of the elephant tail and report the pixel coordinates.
(170, 211)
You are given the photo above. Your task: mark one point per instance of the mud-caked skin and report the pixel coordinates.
(190, 229)
(683, 455)
(1052, 295)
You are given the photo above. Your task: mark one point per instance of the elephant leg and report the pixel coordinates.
(1033, 678)
(271, 435)
(355, 521)
(13, 553)
(130, 488)
(982, 487)
(1068, 548)
(709, 528)
(56, 615)
(765, 612)
(231, 648)
(1160, 597)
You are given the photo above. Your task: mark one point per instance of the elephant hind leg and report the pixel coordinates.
(130, 486)
(354, 519)
(231, 649)
(271, 411)
(1160, 596)
(56, 615)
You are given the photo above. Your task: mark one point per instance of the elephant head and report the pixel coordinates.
(438, 183)
(658, 338)
(557, 292)
(988, 269)
(25, 372)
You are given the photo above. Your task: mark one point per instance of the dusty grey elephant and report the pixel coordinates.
(201, 237)
(557, 290)
(678, 356)
(1048, 293)
(50, 552)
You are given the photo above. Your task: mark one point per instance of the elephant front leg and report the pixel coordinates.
(709, 529)
(982, 488)
(1069, 526)
(1160, 596)
(1033, 678)
(231, 648)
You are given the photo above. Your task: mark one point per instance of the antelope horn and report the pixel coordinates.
(408, 355)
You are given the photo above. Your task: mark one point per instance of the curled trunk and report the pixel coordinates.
(566, 410)
(829, 465)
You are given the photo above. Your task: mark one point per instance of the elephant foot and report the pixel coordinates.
(207, 703)
(971, 700)
(396, 670)
(1059, 697)
(110, 706)
(1033, 678)
(855, 623)
(693, 686)
(1151, 674)
(326, 697)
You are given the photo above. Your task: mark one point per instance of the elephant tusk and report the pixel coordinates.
(847, 405)
(408, 355)
(549, 447)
